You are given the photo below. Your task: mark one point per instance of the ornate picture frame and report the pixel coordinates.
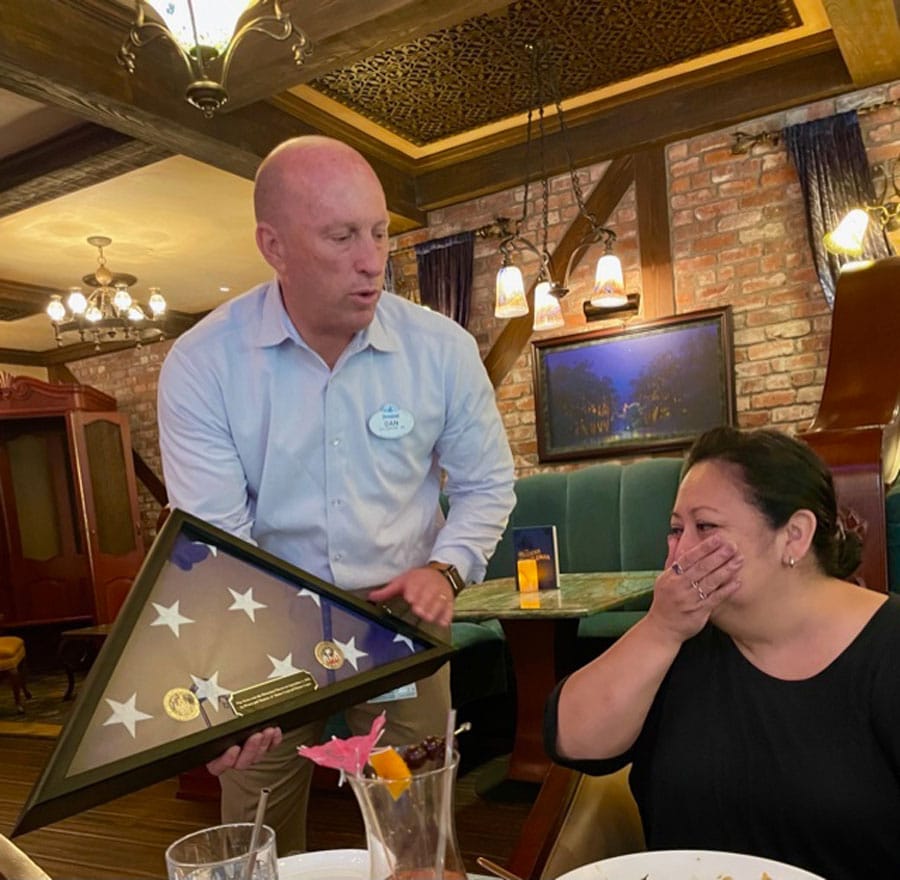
(645, 388)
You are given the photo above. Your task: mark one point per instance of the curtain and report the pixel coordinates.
(445, 268)
(390, 282)
(834, 175)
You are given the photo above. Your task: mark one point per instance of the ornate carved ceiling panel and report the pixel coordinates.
(478, 72)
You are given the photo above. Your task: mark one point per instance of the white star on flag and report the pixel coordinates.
(404, 640)
(245, 602)
(351, 652)
(170, 617)
(282, 667)
(209, 689)
(308, 594)
(125, 713)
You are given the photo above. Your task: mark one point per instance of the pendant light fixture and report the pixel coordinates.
(205, 34)
(108, 313)
(609, 288)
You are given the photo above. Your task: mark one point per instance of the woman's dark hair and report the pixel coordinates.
(783, 475)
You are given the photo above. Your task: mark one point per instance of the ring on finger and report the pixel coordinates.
(699, 590)
(676, 567)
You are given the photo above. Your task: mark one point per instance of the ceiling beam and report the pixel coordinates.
(59, 53)
(704, 103)
(651, 193)
(341, 33)
(868, 34)
(77, 158)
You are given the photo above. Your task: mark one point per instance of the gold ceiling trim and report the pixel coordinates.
(813, 21)
(473, 74)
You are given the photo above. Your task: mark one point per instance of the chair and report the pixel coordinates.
(577, 819)
(15, 865)
(12, 656)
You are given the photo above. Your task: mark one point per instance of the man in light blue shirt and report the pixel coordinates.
(315, 416)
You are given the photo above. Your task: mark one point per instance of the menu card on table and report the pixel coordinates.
(537, 558)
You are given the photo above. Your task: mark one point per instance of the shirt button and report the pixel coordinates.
(336, 502)
(337, 557)
(336, 442)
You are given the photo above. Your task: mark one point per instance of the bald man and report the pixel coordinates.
(269, 429)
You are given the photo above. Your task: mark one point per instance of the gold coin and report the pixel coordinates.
(181, 704)
(329, 655)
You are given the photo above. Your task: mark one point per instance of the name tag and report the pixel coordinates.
(390, 422)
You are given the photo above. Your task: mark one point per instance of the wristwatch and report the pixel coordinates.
(454, 578)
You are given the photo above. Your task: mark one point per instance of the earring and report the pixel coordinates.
(791, 562)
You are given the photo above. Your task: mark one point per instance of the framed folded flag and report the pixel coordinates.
(217, 639)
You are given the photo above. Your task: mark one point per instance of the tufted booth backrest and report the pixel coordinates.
(608, 517)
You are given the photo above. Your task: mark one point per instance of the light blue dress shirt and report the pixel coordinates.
(260, 438)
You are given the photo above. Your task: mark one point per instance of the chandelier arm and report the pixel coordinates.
(278, 26)
(142, 34)
(522, 243)
(573, 259)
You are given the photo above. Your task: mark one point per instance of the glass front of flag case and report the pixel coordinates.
(216, 640)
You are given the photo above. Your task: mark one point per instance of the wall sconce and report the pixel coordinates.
(848, 237)
(510, 301)
(205, 34)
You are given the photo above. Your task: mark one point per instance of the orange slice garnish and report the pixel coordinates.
(389, 765)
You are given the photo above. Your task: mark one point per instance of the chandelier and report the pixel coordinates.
(108, 313)
(205, 33)
(609, 288)
(848, 237)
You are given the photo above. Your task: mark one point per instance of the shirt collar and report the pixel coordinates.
(275, 325)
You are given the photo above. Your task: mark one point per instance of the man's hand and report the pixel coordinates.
(425, 590)
(241, 757)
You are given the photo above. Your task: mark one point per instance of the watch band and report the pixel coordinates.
(454, 578)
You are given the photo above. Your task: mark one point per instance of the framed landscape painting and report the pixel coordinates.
(217, 639)
(650, 387)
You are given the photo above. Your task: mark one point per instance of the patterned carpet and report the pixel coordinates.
(44, 713)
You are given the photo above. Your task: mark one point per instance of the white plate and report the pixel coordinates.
(687, 864)
(328, 864)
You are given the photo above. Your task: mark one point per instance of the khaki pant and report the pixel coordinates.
(288, 776)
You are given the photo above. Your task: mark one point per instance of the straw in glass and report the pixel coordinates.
(446, 796)
(254, 835)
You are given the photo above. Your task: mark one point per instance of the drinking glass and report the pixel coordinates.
(410, 827)
(221, 853)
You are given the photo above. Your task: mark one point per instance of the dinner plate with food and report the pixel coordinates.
(688, 864)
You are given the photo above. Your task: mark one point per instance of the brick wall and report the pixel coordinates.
(738, 237)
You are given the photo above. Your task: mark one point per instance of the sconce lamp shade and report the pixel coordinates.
(609, 285)
(215, 22)
(847, 239)
(510, 301)
(547, 310)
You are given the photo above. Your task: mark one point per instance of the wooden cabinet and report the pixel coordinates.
(69, 520)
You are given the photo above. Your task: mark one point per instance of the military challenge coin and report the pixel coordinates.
(329, 655)
(181, 704)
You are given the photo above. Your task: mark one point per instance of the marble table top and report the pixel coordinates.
(579, 595)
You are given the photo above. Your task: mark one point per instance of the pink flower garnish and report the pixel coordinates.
(347, 755)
